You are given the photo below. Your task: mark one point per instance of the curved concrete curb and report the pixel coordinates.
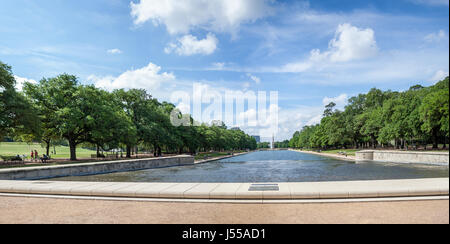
(235, 191)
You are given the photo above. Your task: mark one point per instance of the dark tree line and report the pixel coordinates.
(61, 108)
(409, 119)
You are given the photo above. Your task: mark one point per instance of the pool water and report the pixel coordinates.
(274, 166)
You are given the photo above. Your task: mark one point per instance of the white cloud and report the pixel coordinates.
(314, 120)
(294, 119)
(296, 67)
(340, 101)
(148, 77)
(439, 75)
(183, 16)
(189, 45)
(114, 51)
(223, 66)
(256, 79)
(21, 81)
(349, 44)
(436, 37)
(352, 43)
(218, 66)
(263, 122)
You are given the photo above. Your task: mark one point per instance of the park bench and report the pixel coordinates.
(44, 159)
(97, 156)
(111, 156)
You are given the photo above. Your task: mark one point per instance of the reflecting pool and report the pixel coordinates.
(273, 166)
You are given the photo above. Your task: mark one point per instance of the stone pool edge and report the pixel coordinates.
(220, 158)
(341, 157)
(102, 167)
(377, 189)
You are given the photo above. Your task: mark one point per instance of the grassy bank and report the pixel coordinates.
(208, 155)
(352, 152)
(349, 152)
(21, 148)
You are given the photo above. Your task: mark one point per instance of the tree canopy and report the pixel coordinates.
(17, 115)
(419, 115)
(63, 108)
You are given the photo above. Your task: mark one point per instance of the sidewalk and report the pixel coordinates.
(22, 210)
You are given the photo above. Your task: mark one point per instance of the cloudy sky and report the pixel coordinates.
(310, 52)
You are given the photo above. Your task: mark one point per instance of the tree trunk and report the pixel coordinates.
(47, 148)
(98, 151)
(445, 143)
(73, 150)
(128, 151)
(435, 139)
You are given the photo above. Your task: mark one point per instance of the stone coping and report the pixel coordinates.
(102, 167)
(87, 164)
(407, 152)
(220, 158)
(235, 191)
(410, 157)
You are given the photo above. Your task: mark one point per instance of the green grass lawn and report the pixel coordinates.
(21, 148)
(202, 155)
(350, 152)
(210, 155)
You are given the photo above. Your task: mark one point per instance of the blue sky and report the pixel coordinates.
(311, 52)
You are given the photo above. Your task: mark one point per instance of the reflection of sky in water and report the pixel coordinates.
(274, 166)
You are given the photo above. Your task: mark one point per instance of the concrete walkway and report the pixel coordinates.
(236, 191)
(24, 210)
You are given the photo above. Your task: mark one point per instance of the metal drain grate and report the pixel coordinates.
(264, 187)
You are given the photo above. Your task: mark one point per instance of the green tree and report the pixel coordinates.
(17, 114)
(434, 114)
(70, 109)
(137, 104)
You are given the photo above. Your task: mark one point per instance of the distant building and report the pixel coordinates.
(235, 128)
(257, 138)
